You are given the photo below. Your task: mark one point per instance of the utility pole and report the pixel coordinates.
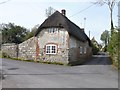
(84, 23)
(119, 15)
(85, 26)
(89, 34)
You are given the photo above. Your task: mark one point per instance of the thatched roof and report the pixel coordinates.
(59, 20)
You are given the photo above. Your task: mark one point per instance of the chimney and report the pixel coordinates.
(63, 11)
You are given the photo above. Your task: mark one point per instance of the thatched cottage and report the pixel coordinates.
(60, 40)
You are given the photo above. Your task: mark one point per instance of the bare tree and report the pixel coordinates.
(110, 4)
(4, 2)
(50, 11)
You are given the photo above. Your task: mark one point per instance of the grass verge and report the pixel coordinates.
(4, 55)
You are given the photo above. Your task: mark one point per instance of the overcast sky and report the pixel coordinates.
(29, 13)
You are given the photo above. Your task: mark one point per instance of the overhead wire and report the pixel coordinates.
(82, 10)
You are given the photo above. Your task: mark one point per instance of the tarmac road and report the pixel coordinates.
(96, 73)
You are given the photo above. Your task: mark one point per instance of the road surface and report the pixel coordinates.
(96, 73)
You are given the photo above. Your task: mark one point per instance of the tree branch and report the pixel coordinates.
(4, 2)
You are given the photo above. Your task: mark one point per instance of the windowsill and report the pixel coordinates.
(51, 53)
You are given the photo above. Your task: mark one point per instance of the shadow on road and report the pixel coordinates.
(101, 59)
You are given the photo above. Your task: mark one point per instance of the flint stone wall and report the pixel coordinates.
(27, 49)
(10, 49)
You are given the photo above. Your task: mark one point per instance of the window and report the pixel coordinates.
(81, 49)
(52, 30)
(84, 50)
(48, 49)
(51, 49)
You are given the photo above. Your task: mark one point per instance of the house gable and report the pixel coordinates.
(61, 21)
(60, 38)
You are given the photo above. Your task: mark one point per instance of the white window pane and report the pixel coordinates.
(85, 50)
(81, 50)
(53, 30)
(47, 49)
(53, 49)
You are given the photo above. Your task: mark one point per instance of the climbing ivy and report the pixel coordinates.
(114, 47)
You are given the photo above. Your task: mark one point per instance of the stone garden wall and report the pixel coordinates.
(27, 49)
(11, 49)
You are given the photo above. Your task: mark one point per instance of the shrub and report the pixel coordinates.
(114, 48)
(95, 50)
(5, 55)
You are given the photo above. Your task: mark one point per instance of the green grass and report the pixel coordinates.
(48, 62)
(0, 54)
(4, 55)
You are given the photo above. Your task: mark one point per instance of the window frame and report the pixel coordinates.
(81, 50)
(51, 50)
(52, 30)
(85, 50)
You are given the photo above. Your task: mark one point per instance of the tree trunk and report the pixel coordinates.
(112, 26)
